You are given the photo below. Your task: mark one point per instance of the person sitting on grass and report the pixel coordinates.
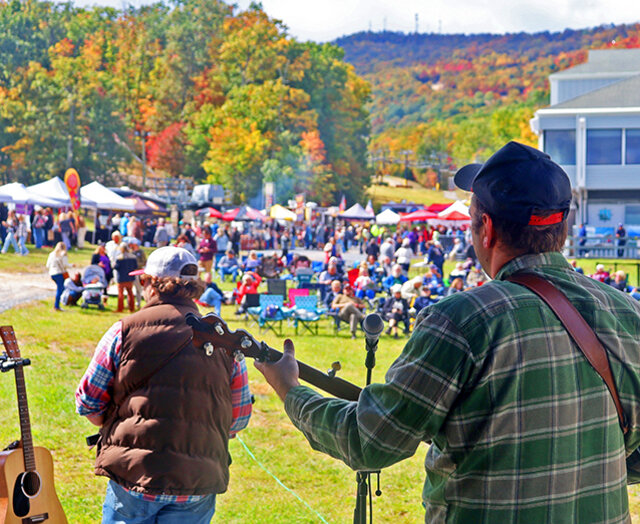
(228, 265)
(351, 308)
(252, 263)
(364, 285)
(619, 280)
(213, 296)
(331, 273)
(396, 310)
(396, 277)
(601, 274)
(249, 285)
(422, 301)
(410, 289)
(72, 290)
(456, 286)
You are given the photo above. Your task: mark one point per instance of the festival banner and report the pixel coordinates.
(72, 181)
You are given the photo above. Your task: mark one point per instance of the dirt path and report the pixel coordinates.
(17, 288)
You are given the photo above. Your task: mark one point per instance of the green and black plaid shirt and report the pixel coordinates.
(524, 430)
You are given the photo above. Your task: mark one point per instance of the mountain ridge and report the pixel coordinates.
(428, 89)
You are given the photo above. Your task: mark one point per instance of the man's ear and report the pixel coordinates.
(489, 238)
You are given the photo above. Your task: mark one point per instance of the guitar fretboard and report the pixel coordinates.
(25, 422)
(11, 345)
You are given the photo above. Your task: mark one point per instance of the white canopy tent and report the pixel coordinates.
(356, 212)
(387, 217)
(104, 198)
(56, 189)
(17, 193)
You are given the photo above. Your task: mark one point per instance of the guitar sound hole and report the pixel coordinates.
(31, 484)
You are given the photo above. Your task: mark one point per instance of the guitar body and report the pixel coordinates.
(43, 507)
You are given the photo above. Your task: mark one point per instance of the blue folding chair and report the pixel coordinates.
(271, 313)
(306, 313)
(304, 276)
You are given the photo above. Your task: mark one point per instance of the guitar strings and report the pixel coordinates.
(322, 519)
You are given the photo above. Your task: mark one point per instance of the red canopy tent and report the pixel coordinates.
(245, 213)
(455, 215)
(422, 215)
(211, 212)
(437, 208)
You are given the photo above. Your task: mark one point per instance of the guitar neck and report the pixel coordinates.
(211, 331)
(335, 386)
(25, 422)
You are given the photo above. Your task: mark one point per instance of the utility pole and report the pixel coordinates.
(143, 137)
(417, 24)
(144, 161)
(406, 154)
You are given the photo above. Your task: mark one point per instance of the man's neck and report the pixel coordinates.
(499, 257)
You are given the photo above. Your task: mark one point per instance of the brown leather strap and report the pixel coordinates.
(580, 331)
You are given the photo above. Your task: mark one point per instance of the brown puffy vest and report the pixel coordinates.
(167, 427)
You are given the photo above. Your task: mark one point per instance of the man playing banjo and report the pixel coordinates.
(523, 429)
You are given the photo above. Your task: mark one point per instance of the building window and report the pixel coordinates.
(560, 145)
(632, 155)
(604, 146)
(632, 214)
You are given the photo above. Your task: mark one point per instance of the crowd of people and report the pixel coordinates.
(376, 278)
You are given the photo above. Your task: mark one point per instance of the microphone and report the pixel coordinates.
(372, 325)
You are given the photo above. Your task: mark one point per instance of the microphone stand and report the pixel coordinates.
(363, 478)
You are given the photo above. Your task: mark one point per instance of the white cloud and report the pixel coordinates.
(328, 19)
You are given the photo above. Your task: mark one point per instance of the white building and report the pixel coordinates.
(592, 129)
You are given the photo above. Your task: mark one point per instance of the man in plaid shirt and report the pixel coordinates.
(523, 429)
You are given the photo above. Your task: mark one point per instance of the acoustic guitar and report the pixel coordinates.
(210, 333)
(27, 493)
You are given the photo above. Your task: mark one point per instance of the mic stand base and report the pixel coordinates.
(364, 490)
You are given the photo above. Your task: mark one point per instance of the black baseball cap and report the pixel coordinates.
(516, 180)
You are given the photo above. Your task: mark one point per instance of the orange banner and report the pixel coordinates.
(72, 181)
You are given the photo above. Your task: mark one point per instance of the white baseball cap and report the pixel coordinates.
(170, 261)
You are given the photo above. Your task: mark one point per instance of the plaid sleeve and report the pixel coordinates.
(94, 391)
(240, 398)
(389, 420)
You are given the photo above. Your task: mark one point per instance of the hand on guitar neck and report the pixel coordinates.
(283, 374)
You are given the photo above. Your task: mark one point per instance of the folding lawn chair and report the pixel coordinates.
(304, 276)
(271, 313)
(277, 286)
(252, 307)
(306, 313)
(295, 292)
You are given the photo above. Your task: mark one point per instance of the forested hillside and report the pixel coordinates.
(207, 91)
(462, 96)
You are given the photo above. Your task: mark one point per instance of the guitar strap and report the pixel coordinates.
(579, 330)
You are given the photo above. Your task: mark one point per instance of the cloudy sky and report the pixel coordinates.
(327, 19)
(323, 20)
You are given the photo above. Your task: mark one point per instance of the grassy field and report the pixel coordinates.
(60, 347)
(394, 191)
